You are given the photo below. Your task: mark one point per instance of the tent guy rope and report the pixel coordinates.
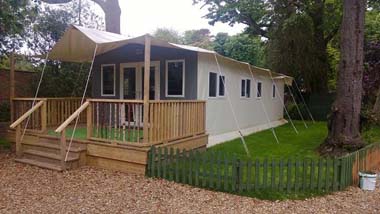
(81, 103)
(304, 102)
(35, 95)
(298, 109)
(282, 102)
(232, 109)
(263, 106)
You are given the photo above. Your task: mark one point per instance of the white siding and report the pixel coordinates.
(220, 123)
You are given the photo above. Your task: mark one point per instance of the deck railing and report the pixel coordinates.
(170, 120)
(57, 110)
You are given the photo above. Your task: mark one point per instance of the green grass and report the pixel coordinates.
(372, 134)
(81, 134)
(263, 144)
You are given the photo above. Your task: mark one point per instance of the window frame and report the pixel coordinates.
(102, 82)
(183, 77)
(257, 89)
(245, 88)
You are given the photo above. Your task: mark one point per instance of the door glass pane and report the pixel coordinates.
(129, 83)
(175, 78)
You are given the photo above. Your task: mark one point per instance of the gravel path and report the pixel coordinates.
(26, 189)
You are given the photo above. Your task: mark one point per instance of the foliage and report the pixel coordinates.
(15, 17)
(4, 144)
(198, 38)
(62, 80)
(169, 35)
(371, 77)
(242, 47)
(297, 31)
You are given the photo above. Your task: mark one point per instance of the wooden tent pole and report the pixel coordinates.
(12, 84)
(146, 87)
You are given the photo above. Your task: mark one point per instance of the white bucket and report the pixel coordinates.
(367, 180)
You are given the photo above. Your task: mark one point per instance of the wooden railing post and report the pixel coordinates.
(89, 121)
(18, 141)
(146, 88)
(44, 116)
(63, 148)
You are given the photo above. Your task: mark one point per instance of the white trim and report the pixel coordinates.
(114, 80)
(139, 66)
(183, 75)
(257, 89)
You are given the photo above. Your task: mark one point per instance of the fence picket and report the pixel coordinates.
(289, 178)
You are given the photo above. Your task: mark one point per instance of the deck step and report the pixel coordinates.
(39, 164)
(49, 155)
(53, 146)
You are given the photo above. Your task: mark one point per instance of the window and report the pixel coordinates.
(274, 91)
(108, 80)
(222, 82)
(175, 78)
(212, 84)
(245, 88)
(259, 89)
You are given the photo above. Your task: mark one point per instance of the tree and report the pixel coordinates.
(344, 123)
(243, 47)
(168, 35)
(198, 38)
(15, 17)
(267, 19)
(110, 8)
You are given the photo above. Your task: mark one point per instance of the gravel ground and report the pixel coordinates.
(27, 189)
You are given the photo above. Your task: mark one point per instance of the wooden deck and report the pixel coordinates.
(117, 137)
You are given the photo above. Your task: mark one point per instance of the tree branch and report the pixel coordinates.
(56, 1)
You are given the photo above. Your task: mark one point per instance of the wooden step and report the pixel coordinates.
(39, 164)
(53, 146)
(49, 155)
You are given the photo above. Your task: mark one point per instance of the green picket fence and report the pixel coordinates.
(228, 173)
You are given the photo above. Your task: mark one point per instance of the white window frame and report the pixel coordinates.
(257, 89)
(183, 75)
(114, 80)
(245, 88)
(274, 91)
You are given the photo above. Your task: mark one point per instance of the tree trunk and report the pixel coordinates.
(344, 121)
(110, 8)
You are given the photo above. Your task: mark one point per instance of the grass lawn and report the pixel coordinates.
(264, 145)
(81, 134)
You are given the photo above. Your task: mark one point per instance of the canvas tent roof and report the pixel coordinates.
(78, 44)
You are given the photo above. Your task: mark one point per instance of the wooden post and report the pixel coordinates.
(89, 121)
(12, 85)
(44, 117)
(63, 148)
(18, 141)
(146, 87)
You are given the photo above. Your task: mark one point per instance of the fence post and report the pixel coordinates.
(237, 173)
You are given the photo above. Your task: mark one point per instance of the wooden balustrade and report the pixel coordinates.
(28, 120)
(115, 120)
(170, 120)
(37, 118)
(59, 109)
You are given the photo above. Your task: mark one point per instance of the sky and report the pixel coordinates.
(139, 17)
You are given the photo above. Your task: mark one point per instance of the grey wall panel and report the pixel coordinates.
(135, 53)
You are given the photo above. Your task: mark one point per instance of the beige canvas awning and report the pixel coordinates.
(78, 44)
